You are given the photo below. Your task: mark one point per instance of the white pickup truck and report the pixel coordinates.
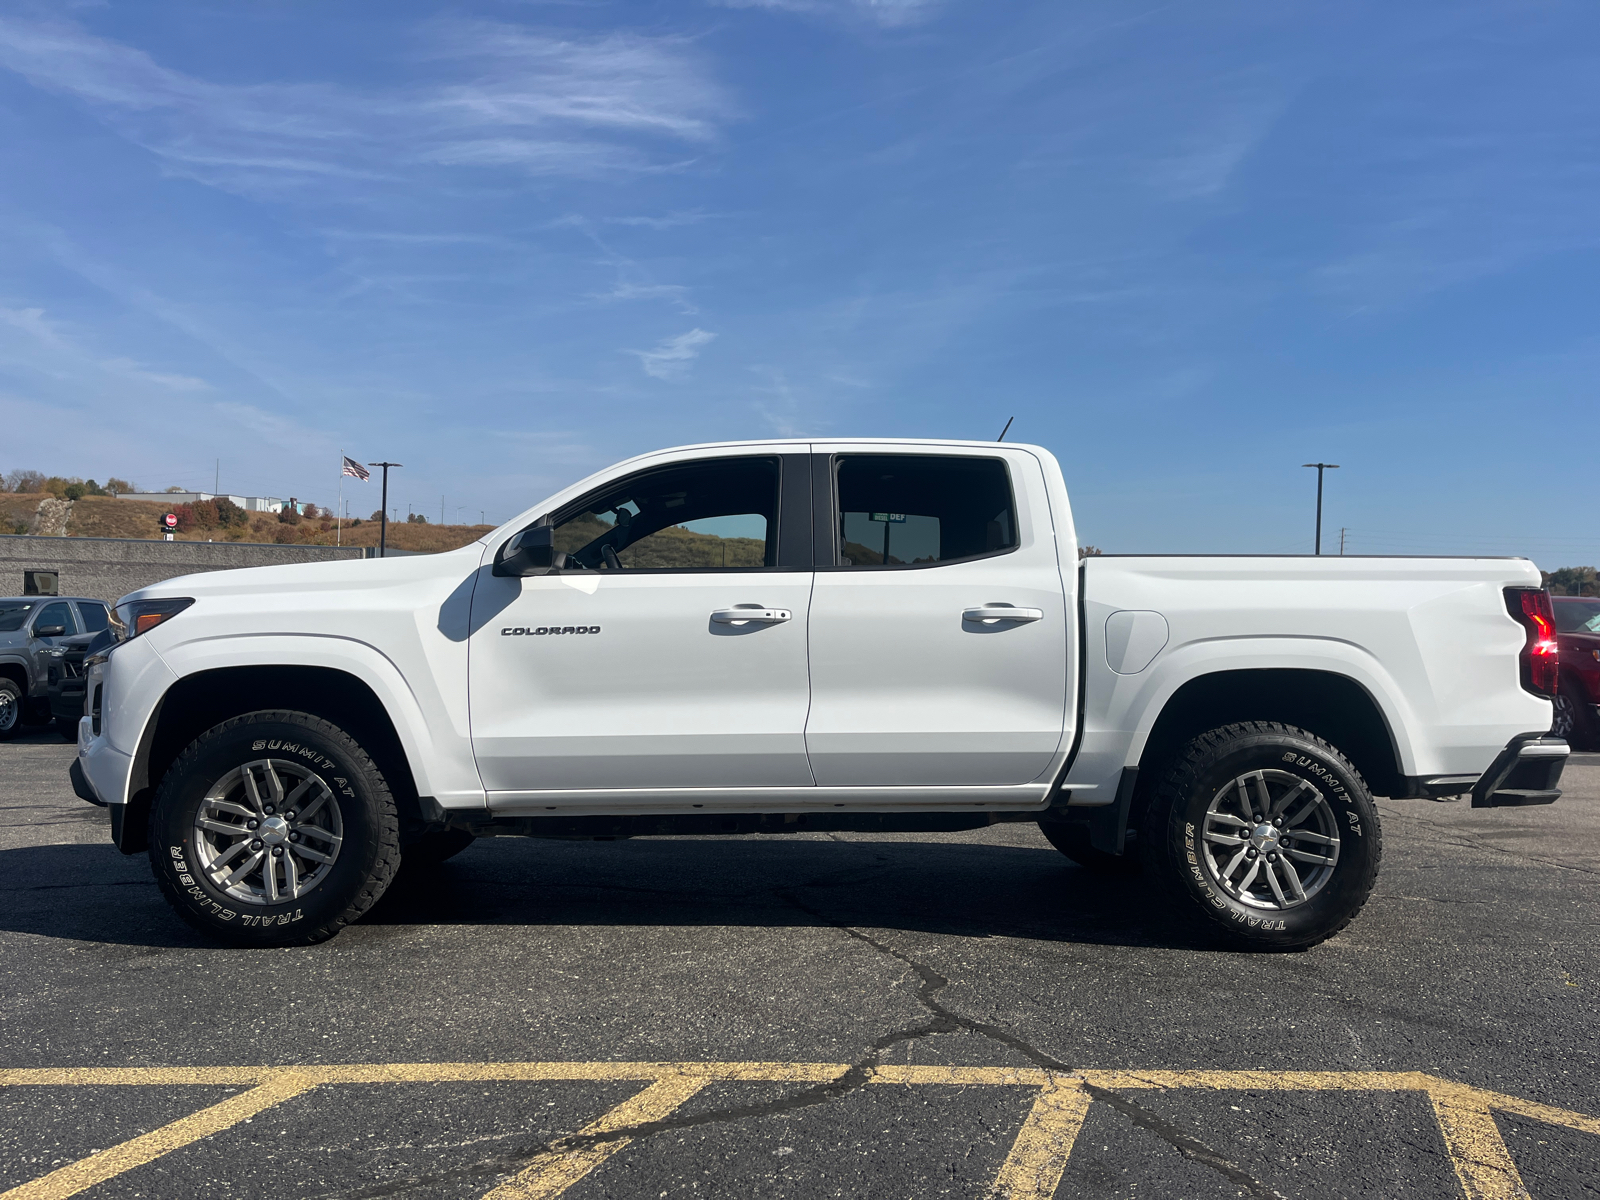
(813, 635)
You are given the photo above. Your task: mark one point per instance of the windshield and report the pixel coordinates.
(13, 613)
(1572, 616)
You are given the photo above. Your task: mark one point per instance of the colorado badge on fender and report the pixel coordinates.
(546, 630)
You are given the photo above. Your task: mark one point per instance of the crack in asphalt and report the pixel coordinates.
(1190, 1148)
(857, 1076)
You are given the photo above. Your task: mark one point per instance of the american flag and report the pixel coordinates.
(352, 467)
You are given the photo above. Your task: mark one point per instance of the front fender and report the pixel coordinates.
(434, 739)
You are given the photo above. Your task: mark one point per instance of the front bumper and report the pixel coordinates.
(1525, 772)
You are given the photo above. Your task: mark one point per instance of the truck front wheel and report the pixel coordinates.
(273, 829)
(1266, 834)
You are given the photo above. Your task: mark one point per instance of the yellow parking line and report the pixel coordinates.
(107, 1164)
(554, 1171)
(1039, 1155)
(1032, 1169)
(1477, 1151)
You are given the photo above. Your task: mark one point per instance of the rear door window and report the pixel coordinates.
(94, 616)
(918, 510)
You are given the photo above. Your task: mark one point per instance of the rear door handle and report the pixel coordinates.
(990, 613)
(742, 615)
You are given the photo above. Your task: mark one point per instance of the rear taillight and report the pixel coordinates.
(1541, 656)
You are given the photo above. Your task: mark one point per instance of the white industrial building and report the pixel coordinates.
(264, 504)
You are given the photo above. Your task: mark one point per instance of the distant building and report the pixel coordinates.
(264, 504)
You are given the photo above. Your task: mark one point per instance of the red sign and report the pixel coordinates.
(170, 520)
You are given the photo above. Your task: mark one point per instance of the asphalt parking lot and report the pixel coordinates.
(822, 1015)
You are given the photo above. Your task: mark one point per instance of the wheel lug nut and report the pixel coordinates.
(255, 844)
(294, 837)
(277, 852)
(252, 823)
(267, 808)
(289, 816)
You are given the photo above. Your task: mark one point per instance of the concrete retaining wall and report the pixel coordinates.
(109, 568)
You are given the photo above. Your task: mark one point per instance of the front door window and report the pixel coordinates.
(719, 515)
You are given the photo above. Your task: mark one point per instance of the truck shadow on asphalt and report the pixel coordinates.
(94, 893)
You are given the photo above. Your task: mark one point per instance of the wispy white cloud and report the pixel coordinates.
(887, 13)
(543, 105)
(672, 357)
(670, 221)
(674, 292)
(130, 369)
(1215, 147)
(33, 322)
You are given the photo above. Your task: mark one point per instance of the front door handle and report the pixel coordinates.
(987, 614)
(754, 612)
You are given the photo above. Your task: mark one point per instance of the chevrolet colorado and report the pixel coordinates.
(813, 635)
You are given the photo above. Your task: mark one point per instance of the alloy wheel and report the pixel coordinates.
(1270, 839)
(268, 831)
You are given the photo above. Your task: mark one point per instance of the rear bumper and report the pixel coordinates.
(1527, 771)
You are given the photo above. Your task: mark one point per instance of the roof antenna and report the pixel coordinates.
(1004, 431)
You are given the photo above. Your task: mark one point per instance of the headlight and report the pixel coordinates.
(141, 616)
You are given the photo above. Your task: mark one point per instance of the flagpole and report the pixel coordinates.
(338, 516)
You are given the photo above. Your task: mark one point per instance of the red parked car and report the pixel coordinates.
(1578, 703)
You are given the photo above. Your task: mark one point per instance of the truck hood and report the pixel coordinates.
(340, 575)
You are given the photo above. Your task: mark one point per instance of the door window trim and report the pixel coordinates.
(829, 515)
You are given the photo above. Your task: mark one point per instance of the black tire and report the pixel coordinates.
(12, 706)
(1073, 841)
(67, 727)
(1574, 716)
(363, 864)
(1174, 845)
(431, 849)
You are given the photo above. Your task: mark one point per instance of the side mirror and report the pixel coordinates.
(531, 552)
(49, 630)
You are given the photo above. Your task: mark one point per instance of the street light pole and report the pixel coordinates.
(383, 513)
(1321, 467)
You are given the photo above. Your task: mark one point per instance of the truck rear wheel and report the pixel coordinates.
(1266, 834)
(273, 829)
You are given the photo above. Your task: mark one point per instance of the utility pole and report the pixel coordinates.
(1321, 467)
(441, 510)
(383, 513)
(1341, 541)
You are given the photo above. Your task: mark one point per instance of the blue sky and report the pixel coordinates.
(1188, 246)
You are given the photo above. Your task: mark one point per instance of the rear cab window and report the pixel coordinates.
(922, 510)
